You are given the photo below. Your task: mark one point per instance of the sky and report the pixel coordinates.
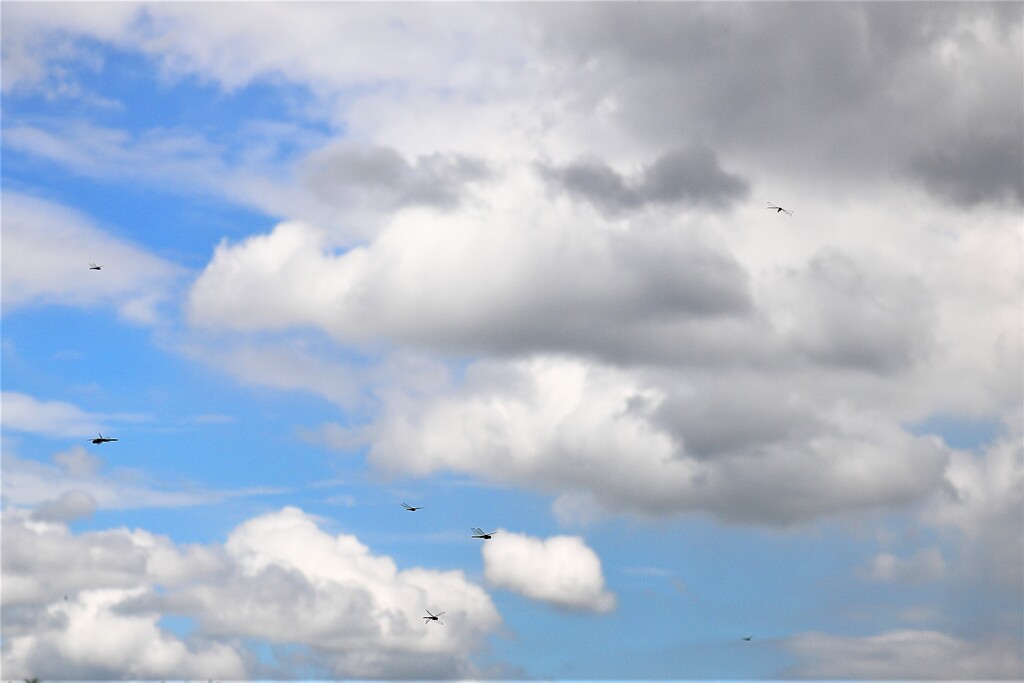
(513, 263)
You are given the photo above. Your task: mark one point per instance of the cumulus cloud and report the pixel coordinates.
(279, 578)
(689, 176)
(46, 257)
(503, 278)
(43, 560)
(91, 639)
(905, 655)
(560, 570)
(982, 499)
(894, 78)
(562, 425)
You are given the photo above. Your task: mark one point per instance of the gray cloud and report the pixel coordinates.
(861, 91)
(858, 315)
(70, 506)
(691, 176)
(720, 418)
(347, 174)
(974, 169)
(905, 655)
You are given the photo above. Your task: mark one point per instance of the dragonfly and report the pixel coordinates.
(103, 439)
(93, 266)
(479, 533)
(433, 617)
(779, 209)
(410, 508)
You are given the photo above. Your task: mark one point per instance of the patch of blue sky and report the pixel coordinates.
(439, 535)
(180, 626)
(183, 232)
(184, 119)
(958, 431)
(106, 368)
(129, 91)
(708, 585)
(84, 356)
(659, 636)
(281, 660)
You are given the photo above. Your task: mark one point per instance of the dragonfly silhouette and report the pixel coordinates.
(433, 617)
(479, 533)
(93, 266)
(103, 439)
(410, 508)
(779, 209)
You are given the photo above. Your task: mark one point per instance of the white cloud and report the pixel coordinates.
(47, 252)
(174, 161)
(44, 560)
(560, 570)
(326, 47)
(71, 505)
(905, 655)
(925, 565)
(25, 413)
(565, 426)
(31, 483)
(330, 580)
(91, 639)
(278, 578)
(982, 499)
(502, 274)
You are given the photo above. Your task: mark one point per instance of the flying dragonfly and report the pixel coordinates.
(93, 266)
(779, 209)
(747, 638)
(479, 533)
(103, 439)
(410, 508)
(433, 617)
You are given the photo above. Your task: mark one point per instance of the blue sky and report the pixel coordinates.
(513, 263)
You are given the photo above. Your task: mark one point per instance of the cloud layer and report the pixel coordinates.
(906, 655)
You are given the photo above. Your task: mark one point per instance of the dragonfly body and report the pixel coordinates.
(779, 209)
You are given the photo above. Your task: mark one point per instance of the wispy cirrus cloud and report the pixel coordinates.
(32, 483)
(25, 413)
(48, 249)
